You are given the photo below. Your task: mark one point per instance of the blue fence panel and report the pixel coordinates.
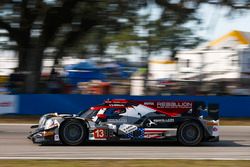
(230, 106)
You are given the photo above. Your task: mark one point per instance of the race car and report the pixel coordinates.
(189, 122)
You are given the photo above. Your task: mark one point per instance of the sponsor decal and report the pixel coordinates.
(116, 105)
(215, 129)
(163, 120)
(126, 128)
(8, 104)
(5, 104)
(139, 133)
(122, 120)
(154, 133)
(151, 133)
(150, 123)
(174, 104)
(149, 103)
(56, 138)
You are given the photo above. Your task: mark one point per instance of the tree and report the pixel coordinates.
(36, 25)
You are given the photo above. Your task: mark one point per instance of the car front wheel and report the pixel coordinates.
(73, 132)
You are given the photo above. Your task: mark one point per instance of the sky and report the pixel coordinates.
(217, 21)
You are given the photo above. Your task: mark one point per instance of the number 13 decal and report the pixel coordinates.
(99, 133)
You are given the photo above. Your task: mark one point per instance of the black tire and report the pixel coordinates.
(190, 133)
(73, 132)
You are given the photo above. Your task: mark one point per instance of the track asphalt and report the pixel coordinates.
(234, 145)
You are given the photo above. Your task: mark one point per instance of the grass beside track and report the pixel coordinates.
(122, 163)
(235, 121)
(35, 119)
(19, 119)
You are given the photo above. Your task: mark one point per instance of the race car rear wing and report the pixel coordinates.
(213, 111)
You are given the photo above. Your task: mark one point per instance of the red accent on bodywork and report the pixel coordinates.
(169, 108)
(116, 101)
(102, 107)
(102, 116)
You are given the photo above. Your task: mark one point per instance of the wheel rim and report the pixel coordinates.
(190, 133)
(73, 133)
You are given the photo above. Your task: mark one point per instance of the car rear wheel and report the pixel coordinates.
(73, 132)
(190, 133)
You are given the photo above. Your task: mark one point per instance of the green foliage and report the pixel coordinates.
(90, 27)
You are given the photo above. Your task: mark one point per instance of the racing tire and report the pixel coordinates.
(73, 132)
(190, 133)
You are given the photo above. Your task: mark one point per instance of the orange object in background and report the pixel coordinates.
(67, 89)
(95, 87)
(105, 86)
(99, 88)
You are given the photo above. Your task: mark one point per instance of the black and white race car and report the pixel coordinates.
(121, 119)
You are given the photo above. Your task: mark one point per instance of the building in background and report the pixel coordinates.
(224, 59)
(162, 69)
(222, 65)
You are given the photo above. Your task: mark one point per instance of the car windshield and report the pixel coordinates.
(88, 113)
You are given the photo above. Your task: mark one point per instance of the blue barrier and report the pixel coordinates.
(230, 106)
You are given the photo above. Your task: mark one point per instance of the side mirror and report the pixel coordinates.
(101, 116)
(139, 114)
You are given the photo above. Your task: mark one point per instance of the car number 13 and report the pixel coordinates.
(99, 133)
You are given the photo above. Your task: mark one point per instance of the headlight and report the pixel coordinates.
(51, 123)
